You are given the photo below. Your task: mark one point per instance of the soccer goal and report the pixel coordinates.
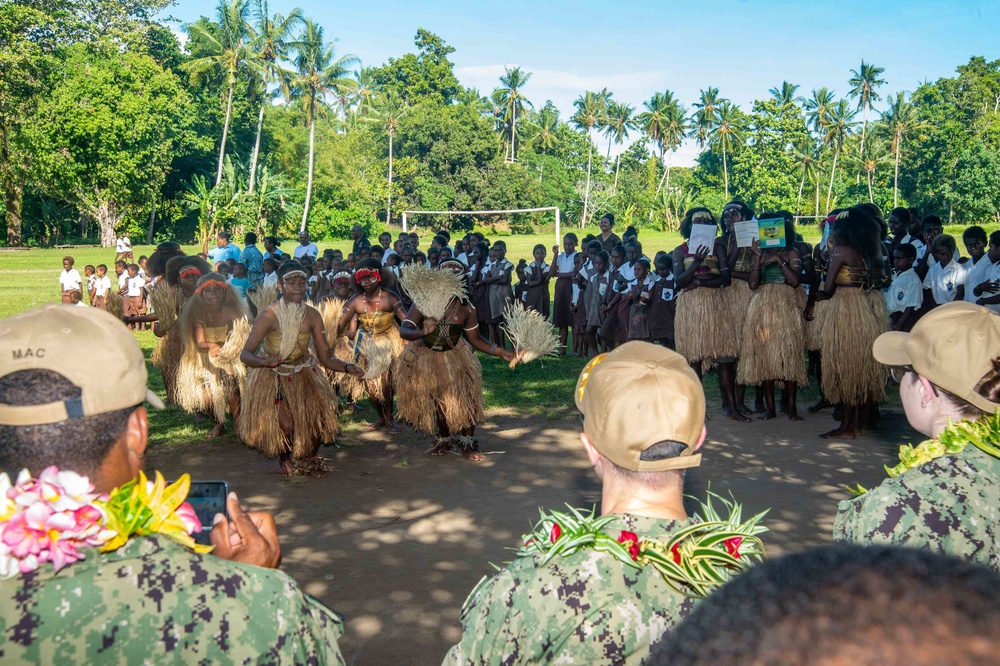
(407, 213)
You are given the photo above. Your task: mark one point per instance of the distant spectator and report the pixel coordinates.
(123, 249)
(253, 260)
(224, 249)
(360, 239)
(305, 248)
(272, 248)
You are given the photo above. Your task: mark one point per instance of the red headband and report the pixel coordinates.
(362, 273)
(210, 283)
(188, 270)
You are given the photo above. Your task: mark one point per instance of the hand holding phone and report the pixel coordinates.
(250, 538)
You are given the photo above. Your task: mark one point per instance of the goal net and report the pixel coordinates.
(407, 214)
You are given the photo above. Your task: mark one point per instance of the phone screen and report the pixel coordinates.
(207, 498)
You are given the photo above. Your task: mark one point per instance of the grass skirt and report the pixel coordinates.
(167, 356)
(702, 328)
(737, 298)
(379, 352)
(851, 375)
(876, 299)
(814, 328)
(772, 338)
(451, 380)
(346, 385)
(204, 387)
(310, 403)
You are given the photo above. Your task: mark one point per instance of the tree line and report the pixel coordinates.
(108, 124)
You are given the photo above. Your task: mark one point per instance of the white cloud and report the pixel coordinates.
(565, 87)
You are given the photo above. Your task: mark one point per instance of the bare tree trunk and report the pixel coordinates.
(802, 184)
(871, 197)
(388, 203)
(108, 216)
(586, 192)
(152, 222)
(513, 132)
(309, 180)
(225, 134)
(618, 165)
(13, 198)
(895, 182)
(864, 132)
(725, 172)
(817, 193)
(833, 172)
(256, 144)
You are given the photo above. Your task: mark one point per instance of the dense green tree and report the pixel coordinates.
(424, 76)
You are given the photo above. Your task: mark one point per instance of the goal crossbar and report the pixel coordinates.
(486, 212)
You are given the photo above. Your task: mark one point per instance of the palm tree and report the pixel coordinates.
(229, 52)
(665, 123)
(387, 111)
(864, 85)
(618, 123)
(269, 45)
(785, 94)
(590, 109)
(840, 125)
(807, 155)
(472, 97)
(868, 162)
(818, 108)
(511, 98)
(728, 131)
(900, 119)
(543, 131)
(364, 93)
(706, 118)
(317, 74)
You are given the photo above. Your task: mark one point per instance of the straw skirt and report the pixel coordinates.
(814, 328)
(737, 298)
(449, 381)
(702, 326)
(851, 375)
(772, 338)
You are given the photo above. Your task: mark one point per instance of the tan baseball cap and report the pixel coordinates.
(953, 346)
(638, 395)
(87, 346)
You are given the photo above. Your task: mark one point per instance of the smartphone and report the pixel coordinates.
(208, 498)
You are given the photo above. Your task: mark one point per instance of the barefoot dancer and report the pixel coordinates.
(440, 378)
(206, 323)
(772, 329)
(379, 344)
(700, 322)
(851, 375)
(182, 275)
(331, 308)
(737, 295)
(289, 407)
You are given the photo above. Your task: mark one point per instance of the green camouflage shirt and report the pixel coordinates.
(949, 505)
(585, 608)
(154, 601)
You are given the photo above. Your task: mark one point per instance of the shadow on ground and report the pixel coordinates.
(394, 539)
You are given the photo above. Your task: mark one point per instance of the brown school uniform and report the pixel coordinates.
(661, 312)
(638, 323)
(536, 297)
(609, 327)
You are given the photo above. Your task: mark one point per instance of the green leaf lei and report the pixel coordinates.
(983, 433)
(692, 561)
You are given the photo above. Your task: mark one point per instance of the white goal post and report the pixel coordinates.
(487, 212)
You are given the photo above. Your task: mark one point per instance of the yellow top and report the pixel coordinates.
(272, 345)
(744, 260)
(851, 276)
(377, 322)
(216, 334)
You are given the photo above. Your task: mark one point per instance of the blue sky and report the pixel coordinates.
(637, 48)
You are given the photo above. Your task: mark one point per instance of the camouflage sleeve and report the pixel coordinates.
(316, 632)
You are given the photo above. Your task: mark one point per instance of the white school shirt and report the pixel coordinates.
(628, 272)
(984, 271)
(916, 243)
(121, 280)
(271, 278)
(464, 258)
(102, 286)
(90, 282)
(70, 279)
(565, 263)
(135, 285)
(943, 282)
(954, 258)
(906, 291)
(80, 304)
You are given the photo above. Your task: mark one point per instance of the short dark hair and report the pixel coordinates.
(80, 444)
(903, 214)
(610, 217)
(249, 238)
(975, 232)
(658, 451)
(844, 604)
(908, 250)
(931, 221)
(222, 234)
(595, 245)
(995, 237)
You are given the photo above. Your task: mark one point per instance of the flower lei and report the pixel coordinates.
(52, 517)
(983, 433)
(693, 561)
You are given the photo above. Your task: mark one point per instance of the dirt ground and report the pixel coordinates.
(394, 539)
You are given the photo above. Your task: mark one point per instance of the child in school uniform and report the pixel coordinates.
(135, 294)
(985, 288)
(122, 275)
(906, 293)
(946, 277)
(536, 282)
(639, 296)
(662, 303)
(610, 324)
(597, 288)
(90, 273)
(579, 331)
(563, 269)
(69, 279)
(499, 293)
(102, 287)
(76, 298)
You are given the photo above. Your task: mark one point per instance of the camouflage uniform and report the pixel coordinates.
(154, 601)
(949, 505)
(585, 608)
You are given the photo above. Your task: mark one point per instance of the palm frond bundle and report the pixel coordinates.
(532, 334)
(432, 289)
